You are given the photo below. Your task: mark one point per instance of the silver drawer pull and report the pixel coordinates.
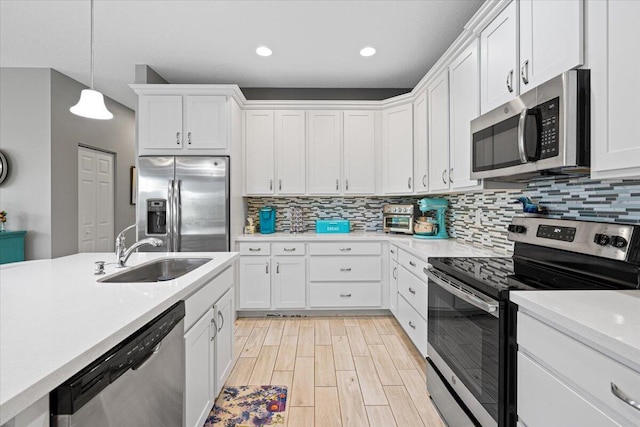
(345, 295)
(289, 249)
(345, 269)
(345, 249)
(392, 251)
(255, 249)
(412, 264)
(623, 396)
(411, 324)
(413, 291)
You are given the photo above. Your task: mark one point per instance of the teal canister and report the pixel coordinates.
(267, 220)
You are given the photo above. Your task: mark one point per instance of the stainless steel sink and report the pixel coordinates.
(158, 271)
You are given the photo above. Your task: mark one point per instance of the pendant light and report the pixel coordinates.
(91, 103)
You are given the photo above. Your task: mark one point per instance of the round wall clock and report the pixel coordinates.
(4, 167)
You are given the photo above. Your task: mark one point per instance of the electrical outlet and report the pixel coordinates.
(478, 217)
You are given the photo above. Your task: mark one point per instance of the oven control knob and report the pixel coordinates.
(519, 229)
(601, 239)
(618, 242)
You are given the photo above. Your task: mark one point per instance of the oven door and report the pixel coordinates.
(464, 344)
(398, 223)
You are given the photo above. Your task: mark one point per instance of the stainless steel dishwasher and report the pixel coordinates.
(137, 383)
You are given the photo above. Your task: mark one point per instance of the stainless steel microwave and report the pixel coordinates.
(542, 132)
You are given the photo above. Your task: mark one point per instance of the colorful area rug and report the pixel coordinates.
(249, 407)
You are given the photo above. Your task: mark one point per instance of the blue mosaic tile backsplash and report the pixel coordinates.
(571, 198)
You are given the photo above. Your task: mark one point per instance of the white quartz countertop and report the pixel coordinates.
(422, 248)
(608, 321)
(56, 318)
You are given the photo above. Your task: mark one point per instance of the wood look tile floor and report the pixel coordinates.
(340, 371)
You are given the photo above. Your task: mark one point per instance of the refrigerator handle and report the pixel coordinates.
(171, 216)
(178, 210)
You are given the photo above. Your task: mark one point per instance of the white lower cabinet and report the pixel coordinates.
(224, 318)
(255, 282)
(414, 325)
(199, 371)
(345, 294)
(289, 281)
(393, 287)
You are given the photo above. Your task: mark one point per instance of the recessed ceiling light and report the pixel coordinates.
(368, 51)
(263, 51)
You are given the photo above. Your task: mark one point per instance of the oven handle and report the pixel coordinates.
(448, 285)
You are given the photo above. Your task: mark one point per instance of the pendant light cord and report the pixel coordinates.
(92, 44)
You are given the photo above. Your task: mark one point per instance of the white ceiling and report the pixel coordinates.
(314, 43)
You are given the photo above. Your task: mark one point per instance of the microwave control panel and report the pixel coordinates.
(550, 118)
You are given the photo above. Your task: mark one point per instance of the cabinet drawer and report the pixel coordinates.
(413, 324)
(413, 290)
(545, 401)
(393, 253)
(345, 269)
(345, 248)
(255, 248)
(345, 294)
(412, 264)
(289, 248)
(204, 298)
(594, 373)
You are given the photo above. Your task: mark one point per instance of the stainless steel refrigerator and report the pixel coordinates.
(184, 201)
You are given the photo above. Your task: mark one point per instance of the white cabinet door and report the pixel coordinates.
(325, 152)
(290, 129)
(438, 131)
(224, 317)
(465, 106)
(290, 282)
(499, 60)
(420, 145)
(359, 152)
(199, 375)
(551, 39)
(160, 123)
(255, 282)
(615, 88)
(397, 150)
(258, 152)
(205, 123)
(393, 287)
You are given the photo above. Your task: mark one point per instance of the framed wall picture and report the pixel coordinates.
(134, 185)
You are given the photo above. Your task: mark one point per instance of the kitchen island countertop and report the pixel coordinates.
(55, 317)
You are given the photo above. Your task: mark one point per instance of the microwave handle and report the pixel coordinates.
(522, 123)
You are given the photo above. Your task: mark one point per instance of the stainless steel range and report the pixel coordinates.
(472, 325)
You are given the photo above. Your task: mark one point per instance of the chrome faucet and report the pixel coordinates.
(123, 254)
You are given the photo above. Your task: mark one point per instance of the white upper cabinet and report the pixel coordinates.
(499, 59)
(290, 131)
(324, 151)
(168, 124)
(397, 150)
(465, 106)
(551, 39)
(420, 145)
(359, 152)
(438, 131)
(614, 56)
(259, 152)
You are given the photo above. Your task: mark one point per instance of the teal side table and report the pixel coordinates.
(11, 246)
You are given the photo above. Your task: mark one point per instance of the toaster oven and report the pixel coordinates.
(398, 218)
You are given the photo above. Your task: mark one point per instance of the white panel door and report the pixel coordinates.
(205, 122)
(464, 106)
(255, 282)
(393, 287)
(290, 282)
(104, 202)
(551, 39)
(615, 88)
(499, 60)
(290, 143)
(160, 123)
(199, 375)
(224, 318)
(438, 131)
(325, 152)
(420, 145)
(258, 152)
(359, 152)
(397, 150)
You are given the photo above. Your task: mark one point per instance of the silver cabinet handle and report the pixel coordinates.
(279, 184)
(345, 295)
(395, 273)
(345, 249)
(392, 251)
(411, 324)
(215, 328)
(524, 72)
(510, 81)
(412, 264)
(413, 291)
(277, 268)
(178, 138)
(409, 183)
(266, 269)
(451, 175)
(424, 180)
(189, 138)
(345, 269)
(337, 184)
(221, 316)
(443, 178)
(255, 249)
(270, 184)
(347, 184)
(289, 249)
(624, 397)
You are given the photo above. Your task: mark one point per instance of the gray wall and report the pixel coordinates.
(25, 139)
(41, 137)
